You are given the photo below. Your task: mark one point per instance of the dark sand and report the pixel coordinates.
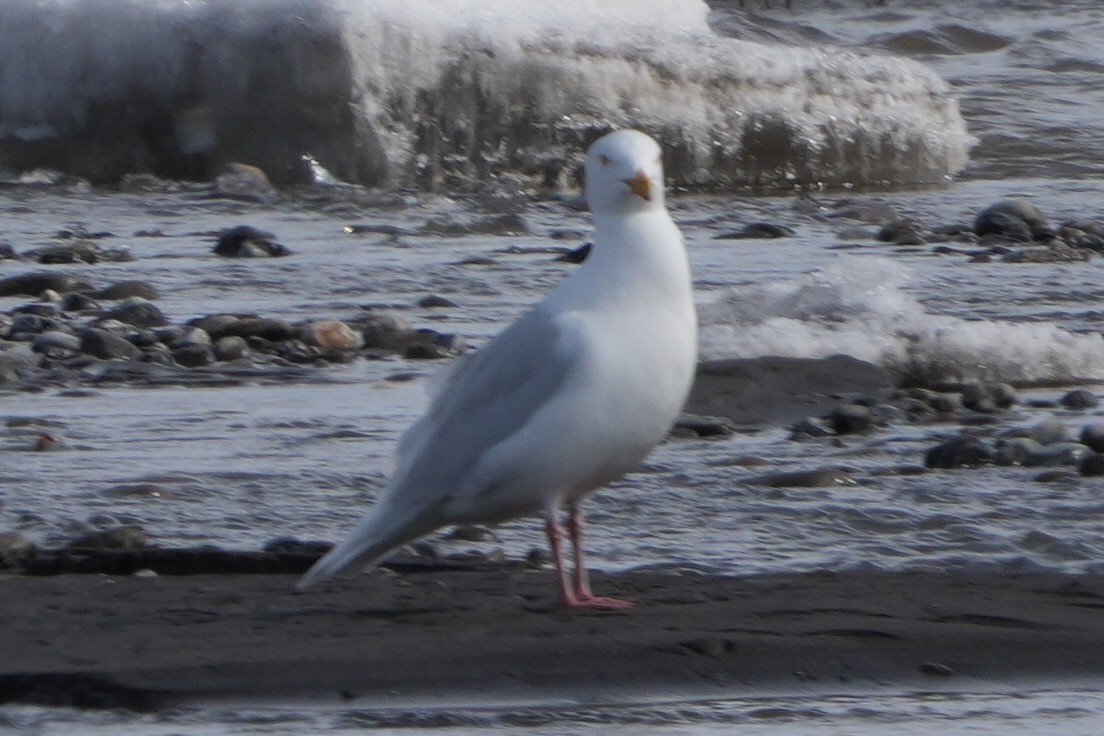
(491, 634)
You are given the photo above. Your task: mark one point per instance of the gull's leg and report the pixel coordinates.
(555, 542)
(581, 580)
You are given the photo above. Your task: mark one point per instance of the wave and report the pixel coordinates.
(452, 93)
(859, 307)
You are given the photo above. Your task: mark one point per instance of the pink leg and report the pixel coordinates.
(581, 582)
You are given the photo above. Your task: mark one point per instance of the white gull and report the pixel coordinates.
(570, 397)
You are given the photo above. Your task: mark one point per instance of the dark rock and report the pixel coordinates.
(31, 324)
(1092, 436)
(126, 290)
(903, 232)
(810, 427)
(1016, 451)
(435, 302)
(1049, 432)
(851, 418)
(386, 330)
(123, 537)
(578, 255)
(7, 252)
(692, 425)
(959, 452)
(194, 356)
(41, 309)
(1092, 464)
(988, 397)
(426, 351)
(138, 312)
(757, 231)
(1061, 453)
(107, 345)
(217, 325)
(818, 478)
(244, 241)
(1055, 252)
(77, 302)
(1079, 398)
(33, 284)
(1013, 219)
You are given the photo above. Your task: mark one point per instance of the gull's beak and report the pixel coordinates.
(641, 185)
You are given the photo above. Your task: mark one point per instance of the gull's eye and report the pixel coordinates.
(605, 160)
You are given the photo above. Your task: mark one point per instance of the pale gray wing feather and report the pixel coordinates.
(488, 397)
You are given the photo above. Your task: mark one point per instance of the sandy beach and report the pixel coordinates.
(494, 633)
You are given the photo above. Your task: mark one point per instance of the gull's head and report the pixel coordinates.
(624, 173)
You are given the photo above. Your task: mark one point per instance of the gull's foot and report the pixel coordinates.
(598, 603)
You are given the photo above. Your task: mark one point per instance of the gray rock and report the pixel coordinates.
(56, 340)
(138, 312)
(1013, 219)
(903, 232)
(1079, 398)
(387, 331)
(1062, 453)
(1016, 451)
(244, 182)
(78, 302)
(810, 427)
(231, 347)
(107, 345)
(248, 242)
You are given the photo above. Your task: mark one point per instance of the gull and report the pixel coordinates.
(567, 399)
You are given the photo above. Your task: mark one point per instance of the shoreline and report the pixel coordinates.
(494, 633)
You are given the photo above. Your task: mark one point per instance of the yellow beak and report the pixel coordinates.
(641, 185)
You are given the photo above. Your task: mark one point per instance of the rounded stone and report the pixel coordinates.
(230, 347)
(851, 418)
(331, 334)
(194, 355)
(107, 346)
(1092, 436)
(1092, 464)
(1079, 398)
(138, 312)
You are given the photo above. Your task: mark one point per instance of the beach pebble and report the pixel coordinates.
(385, 330)
(1079, 398)
(244, 241)
(959, 452)
(693, 425)
(273, 330)
(810, 428)
(1013, 219)
(138, 312)
(331, 334)
(817, 478)
(903, 232)
(1092, 436)
(1056, 454)
(1016, 451)
(230, 347)
(79, 251)
(434, 301)
(107, 345)
(57, 345)
(505, 224)
(193, 356)
(77, 302)
(14, 548)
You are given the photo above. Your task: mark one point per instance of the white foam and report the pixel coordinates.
(859, 307)
(436, 91)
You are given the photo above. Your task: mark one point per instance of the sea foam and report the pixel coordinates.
(451, 93)
(860, 307)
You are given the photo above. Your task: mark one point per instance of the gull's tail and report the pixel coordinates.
(378, 534)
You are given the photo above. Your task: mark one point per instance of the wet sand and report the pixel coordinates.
(387, 638)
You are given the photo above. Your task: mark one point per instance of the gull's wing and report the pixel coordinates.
(484, 400)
